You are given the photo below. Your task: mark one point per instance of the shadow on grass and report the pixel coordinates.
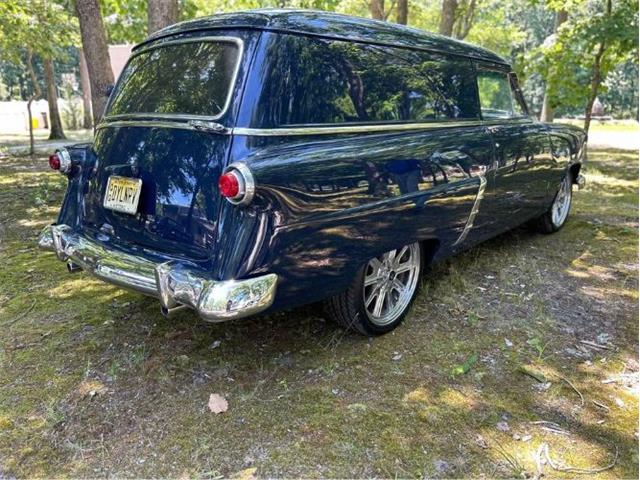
(309, 399)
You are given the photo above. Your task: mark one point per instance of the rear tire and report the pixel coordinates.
(381, 293)
(555, 218)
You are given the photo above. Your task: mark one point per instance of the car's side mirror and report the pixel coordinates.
(108, 89)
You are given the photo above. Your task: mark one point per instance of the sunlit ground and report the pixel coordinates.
(524, 342)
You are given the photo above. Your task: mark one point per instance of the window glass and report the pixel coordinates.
(494, 91)
(189, 78)
(313, 81)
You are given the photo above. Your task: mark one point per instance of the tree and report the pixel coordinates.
(35, 28)
(403, 12)
(85, 85)
(597, 37)
(547, 109)
(377, 9)
(162, 13)
(94, 44)
(55, 131)
(448, 17)
(457, 17)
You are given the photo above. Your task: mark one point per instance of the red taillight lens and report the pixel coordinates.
(54, 161)
(229, 185)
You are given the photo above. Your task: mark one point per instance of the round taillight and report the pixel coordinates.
(229, 185)
(61, 161)
(237, 185)
(54, 161)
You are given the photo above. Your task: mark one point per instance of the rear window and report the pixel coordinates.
(314, 81)
(193, 78)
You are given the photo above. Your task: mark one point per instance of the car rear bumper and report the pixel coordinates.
(175, 284)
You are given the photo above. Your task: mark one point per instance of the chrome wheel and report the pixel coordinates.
(389, 284)
(562, 203)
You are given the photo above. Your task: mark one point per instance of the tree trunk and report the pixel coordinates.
(56, 132)
(595, 78)
(465, 22)
(94, 44)
(161, 13)
(403, 12)
(376, 7)
(36, 94)
(86, 90)
(448, 17)
(546, 115)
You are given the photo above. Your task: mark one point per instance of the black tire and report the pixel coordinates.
(348, 308)
(549, 222)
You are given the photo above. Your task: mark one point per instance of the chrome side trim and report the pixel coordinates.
(236, 69)
(174, 283)
(327, 130)
(387, 127)
(474, 211)
(193, 122)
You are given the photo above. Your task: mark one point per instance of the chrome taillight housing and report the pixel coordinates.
(61, 161)
(237, 184)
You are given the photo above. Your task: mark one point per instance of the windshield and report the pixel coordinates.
(189, 78)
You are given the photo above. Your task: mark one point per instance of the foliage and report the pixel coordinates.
(567, 59)
(46, 27)
(521, 31)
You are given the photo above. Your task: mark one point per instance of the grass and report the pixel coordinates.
(95, 382)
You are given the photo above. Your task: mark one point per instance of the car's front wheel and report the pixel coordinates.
(554, 218)
(380, 295)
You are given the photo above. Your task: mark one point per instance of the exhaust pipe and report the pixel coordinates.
(168, 312)
(581, 181)
(73, 267)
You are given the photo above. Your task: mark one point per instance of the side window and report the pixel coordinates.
(497, 96)
(313, 81)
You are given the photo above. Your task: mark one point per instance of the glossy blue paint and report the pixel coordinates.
(325, 203)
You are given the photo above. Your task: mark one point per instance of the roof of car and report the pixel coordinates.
(331, 25)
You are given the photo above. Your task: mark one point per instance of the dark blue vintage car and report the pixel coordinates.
(262, 160)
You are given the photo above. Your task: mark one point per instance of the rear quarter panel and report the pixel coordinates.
(326, 204)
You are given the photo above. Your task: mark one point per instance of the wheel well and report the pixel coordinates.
(574, 170)
(429, 248)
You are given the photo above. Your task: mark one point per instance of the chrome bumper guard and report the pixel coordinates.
(176, 285)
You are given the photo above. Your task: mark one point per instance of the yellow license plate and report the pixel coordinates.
(122, 194)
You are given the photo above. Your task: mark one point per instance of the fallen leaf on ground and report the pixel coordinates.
(217, 403)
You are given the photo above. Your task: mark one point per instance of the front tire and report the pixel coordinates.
(555, 218)
(380, 294)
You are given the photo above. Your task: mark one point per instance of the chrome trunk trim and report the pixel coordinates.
(174, 283)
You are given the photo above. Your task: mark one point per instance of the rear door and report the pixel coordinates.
(522, 151)
(163, 131)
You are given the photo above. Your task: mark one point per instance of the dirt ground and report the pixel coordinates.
(523, 348)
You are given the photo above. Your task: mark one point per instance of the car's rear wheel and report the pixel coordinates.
(555, 218)
(380, 295)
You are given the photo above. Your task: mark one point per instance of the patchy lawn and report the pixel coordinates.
(524, 341)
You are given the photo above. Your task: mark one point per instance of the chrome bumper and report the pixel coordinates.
(176, 285)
